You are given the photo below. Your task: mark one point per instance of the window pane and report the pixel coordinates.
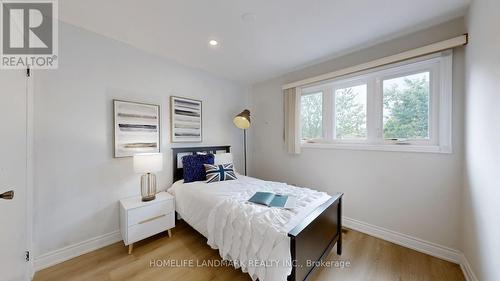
(350, 112)
(311, 116)
(406, 107)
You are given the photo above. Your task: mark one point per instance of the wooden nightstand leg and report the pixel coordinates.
(130, 248)
(169, 233)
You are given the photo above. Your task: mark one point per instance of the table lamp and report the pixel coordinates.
(147, 164)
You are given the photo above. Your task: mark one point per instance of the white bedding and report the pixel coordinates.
(254, 237)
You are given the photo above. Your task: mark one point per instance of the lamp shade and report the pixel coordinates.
(242, 120)
(148, 162)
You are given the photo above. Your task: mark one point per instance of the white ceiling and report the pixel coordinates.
(285, 34)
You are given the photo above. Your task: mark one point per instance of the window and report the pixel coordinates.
(311, 115)
(406, 107)
(350, 112)
(400, 107)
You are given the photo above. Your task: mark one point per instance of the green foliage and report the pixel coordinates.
(406, 108)
(350, 115)
(311, 116)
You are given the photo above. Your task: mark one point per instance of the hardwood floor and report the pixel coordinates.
(370, 259)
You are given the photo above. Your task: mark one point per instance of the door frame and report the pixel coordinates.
(30, 171)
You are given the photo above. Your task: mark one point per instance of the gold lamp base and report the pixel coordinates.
(148, 198)
(148, 187)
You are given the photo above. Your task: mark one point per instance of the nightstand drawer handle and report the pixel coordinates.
(152, 219)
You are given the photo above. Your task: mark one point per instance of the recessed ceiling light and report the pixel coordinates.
(248, 17)
(213, 42)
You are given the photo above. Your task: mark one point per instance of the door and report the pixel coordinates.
(13, 171)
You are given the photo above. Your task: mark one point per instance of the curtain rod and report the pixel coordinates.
(418, 52)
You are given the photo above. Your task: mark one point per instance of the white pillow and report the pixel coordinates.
(223, 158)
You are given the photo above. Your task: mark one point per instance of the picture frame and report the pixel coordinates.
(186, 120)
(137, 128)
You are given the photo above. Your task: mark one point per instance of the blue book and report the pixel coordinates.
(272, 200)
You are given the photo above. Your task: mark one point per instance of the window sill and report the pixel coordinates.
(380, 147)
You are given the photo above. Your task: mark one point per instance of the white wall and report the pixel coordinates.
(481, 239)
(77, 181)
(417, 194)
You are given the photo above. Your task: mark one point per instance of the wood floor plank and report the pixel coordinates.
(370, 259)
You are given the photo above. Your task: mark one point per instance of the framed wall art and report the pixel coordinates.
(185, 120)
(136, 128)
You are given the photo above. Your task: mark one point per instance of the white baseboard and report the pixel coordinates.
(404, 240)
(467, 270)
(75, 250)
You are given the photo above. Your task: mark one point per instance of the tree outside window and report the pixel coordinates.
(350, 112)
(406, 107)
(311, 116)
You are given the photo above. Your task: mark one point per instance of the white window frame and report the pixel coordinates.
(439, 66)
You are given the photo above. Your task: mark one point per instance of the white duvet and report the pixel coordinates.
(253, 237)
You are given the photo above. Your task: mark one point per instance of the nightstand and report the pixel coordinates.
(140, 220)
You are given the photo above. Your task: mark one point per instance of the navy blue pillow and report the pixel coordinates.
(193, 165)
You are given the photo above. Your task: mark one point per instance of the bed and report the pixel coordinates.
(296, 238)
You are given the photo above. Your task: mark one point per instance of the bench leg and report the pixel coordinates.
(130, 248)
(169, 233)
